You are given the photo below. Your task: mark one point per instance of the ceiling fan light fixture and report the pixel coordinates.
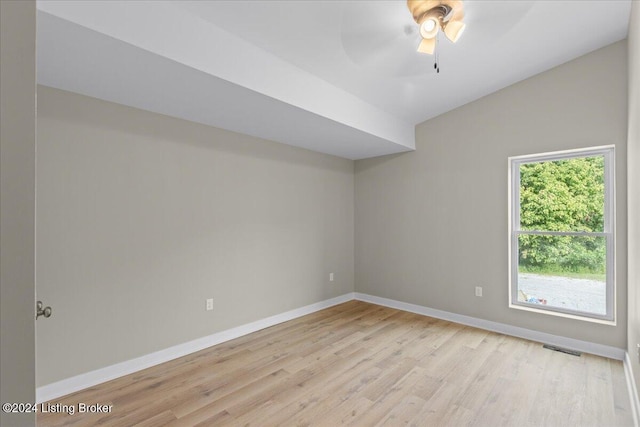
(429, 28)
(434, 15)
(454, 29)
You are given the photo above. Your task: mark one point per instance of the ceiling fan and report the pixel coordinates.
(380, 37)
(435, 15)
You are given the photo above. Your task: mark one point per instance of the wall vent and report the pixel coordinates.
(562, 350)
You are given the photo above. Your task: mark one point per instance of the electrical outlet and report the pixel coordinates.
(209, 304)
(331, 277)
(478, 291)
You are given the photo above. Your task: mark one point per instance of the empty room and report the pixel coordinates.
(320, 213)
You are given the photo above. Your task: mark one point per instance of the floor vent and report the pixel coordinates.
(562, 350)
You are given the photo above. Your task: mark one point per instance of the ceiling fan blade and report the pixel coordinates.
(384, 40)
(427, 46)
(453, 30)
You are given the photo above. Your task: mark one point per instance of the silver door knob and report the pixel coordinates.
(41, 310)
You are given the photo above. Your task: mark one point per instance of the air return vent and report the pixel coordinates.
(562, 350)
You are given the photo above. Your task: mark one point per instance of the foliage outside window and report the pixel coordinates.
(561, 226)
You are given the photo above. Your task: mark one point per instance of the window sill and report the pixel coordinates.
(560, 314)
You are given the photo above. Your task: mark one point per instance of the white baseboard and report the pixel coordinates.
(89, 379)
(631, 387)
(570, 343)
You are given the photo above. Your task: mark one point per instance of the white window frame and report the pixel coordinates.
(608, 152)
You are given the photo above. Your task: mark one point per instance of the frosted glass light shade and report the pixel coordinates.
(429, 28)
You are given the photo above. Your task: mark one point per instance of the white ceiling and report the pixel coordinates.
(339, 77)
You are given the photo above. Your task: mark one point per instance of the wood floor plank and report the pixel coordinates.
(163, 418)
(360, 364)
(330, 379)
(403, 412)
(622, 402)
(204, 408)
(599, 402)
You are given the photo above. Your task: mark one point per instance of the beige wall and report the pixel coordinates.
(432, 224)
(141, 217)
(633, 163)
(17, 206)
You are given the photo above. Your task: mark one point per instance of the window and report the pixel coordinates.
(561, 246)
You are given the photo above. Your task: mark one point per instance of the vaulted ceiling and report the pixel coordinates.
(339, 77)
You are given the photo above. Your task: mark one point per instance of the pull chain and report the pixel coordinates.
(436, 55)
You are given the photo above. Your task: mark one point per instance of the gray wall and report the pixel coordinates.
(141, 217)
(432, 224)
(633, 163)
(17, 206)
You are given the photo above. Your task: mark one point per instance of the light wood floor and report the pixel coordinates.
(362, 365)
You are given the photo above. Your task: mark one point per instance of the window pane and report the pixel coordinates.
(563, 195)
(566, 272)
